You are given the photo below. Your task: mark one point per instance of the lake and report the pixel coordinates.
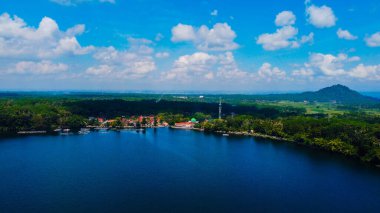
(167, 170)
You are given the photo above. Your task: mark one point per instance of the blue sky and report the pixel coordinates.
(242, 46)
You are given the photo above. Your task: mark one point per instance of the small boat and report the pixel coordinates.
(65, 132)
(226, 135)
(84, 131)
(102, 130)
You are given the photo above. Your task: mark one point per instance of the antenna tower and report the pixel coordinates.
(220, 108)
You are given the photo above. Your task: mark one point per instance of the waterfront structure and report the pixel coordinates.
(184, 125)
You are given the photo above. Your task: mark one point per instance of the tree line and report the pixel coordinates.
(350, 134)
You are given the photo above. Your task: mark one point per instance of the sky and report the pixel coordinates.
(198, 45)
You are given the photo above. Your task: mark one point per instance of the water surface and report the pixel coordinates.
(178, 171)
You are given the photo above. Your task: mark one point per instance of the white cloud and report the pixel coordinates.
(282, 38)
(136, 62)
(285, 37)
(188, 65)
(76, 30)
(18, 39)
(219, 38)
(99, 70)
(71, 45)
(320, 17)
(162, 55)
(228, 68)
(307, 38)
(368, 72)
(15, 27)
(128, 64)
(373, 40)
(337, 66)
(303, 72)
(75, 2)
(204, 66)
(140, 45)
(285, 18)
(353, 59)
(270, 73)
(41, 67)
(345, 34)
(183, 32)
(328, 64)
(214, 13)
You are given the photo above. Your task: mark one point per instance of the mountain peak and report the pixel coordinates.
(341, 94)
(337, 94)
(337, 87)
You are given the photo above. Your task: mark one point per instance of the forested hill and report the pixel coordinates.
(337, 93)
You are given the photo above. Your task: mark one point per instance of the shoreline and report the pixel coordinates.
(279, 139)
(233, 133)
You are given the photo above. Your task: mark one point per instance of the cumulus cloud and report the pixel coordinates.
(201, 65)
(99, 70)
(191, 65)
(140, 45)
(373, 40)
(285, 18)
(307, 39)
(47, 41)
(270, 73)
(303, 72)
(229, 69)
(337, 66)
(75, 2)
(345, 34)
(219, 38)
(41, 67)
(282, 38)
(368, 72)
(128, 64)
(183, 32)
(135, 62)
(328, 64)
(70, 45)
(285, 37)
(320, 17)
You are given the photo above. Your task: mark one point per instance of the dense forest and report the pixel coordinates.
(35, 114)
(117, 107)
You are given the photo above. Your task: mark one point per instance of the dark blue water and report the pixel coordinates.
(178, 171)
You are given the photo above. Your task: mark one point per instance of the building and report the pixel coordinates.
(184, 125)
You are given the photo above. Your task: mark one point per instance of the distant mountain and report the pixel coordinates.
(337, 93)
